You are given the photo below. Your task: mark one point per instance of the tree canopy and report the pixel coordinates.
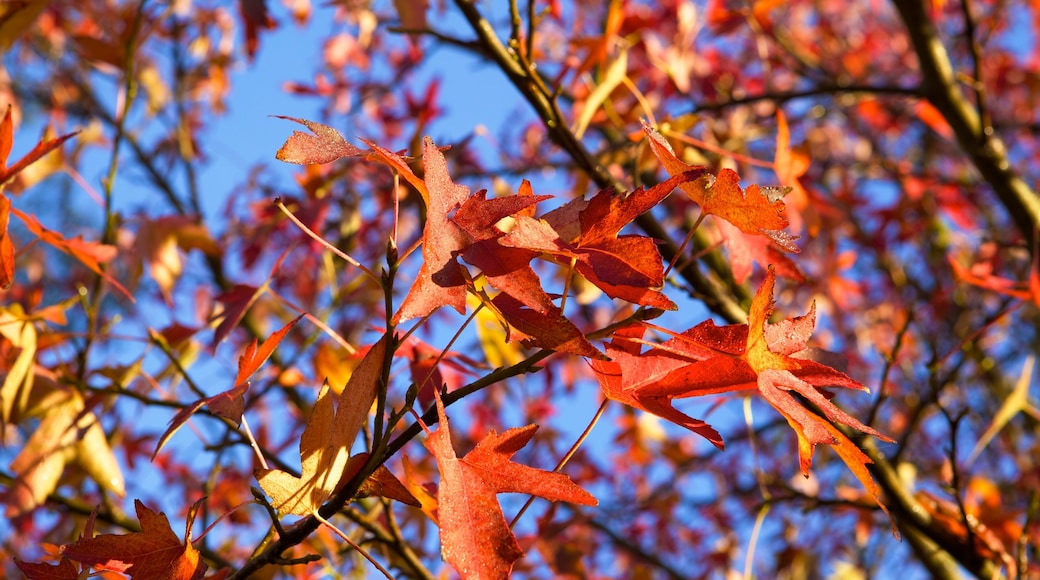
(675, 289)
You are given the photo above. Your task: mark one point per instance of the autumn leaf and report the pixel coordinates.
(160, 243)
(63, 570)
(325, 444)
(441, 280)
(547, 329)
(611, 378)
(255, 17)
(587, 232)
(790, 164)
(236, 302)
(773, 359)
(382, 483)
(20, 333)
(17, 18)
(229, 404)
(6, 245)
(154, 553)
(753, 210)
(42, 148)
(475, 537)
(745, 250)
(412, 14)
(67, 432)
(325, 145)
(6, 137)
(90, 254)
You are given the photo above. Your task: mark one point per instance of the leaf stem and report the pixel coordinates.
(353, 544)
(567, 457)
(310, 233)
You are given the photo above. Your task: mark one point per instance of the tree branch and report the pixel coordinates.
(986, 151)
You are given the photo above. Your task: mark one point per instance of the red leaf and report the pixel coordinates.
(42, 148)
(253, 357)
(236, 301)
(63, 570)
(255, 18)
(6, 138)
(610, 376)
(90, 254)
(154, 553)
(550, 329)
(441, 280)
(746, 250)
(752, 210)
(400, 165)
(478, 216)
(475, 537)
(772, 358)
(229, 404)
(628, 267)
(6, 245)
(324, 146)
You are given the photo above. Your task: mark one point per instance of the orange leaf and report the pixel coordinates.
(90, 254)
(325, 444)
(6, 138)
(324, 146)
(43, 147)
(154, 553)
(441, 280)
(753, 210)
(6, 245)
(475, 537)
(229, 404)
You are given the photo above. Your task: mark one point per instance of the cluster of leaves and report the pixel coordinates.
(337, 442)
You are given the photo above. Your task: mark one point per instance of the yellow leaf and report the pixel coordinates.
(1013, 405)
(326, 441)
(16, 18)
(95, 456)
(322, 459)
(614, 76)
(18, 381)
(41, 462)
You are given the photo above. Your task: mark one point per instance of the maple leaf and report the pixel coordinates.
(381, 483)
(549, 329)
(324, 146)
(255, 17)
(771, 358)
(90, 254)
(229, 404)
(325, 444)
(236, 302)
(610, 375)
(475, 537)
(154, 553)
(63, 570)
(506, 268)
(159, 245)
(790, 164)
(586, 232)
(746, 250)
(754, 211)
(441, 280)
(42, 147)
(67, 432)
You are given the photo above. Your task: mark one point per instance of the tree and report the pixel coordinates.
(740, 288)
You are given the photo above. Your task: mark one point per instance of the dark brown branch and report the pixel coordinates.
(533, 89)
(986, 151)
